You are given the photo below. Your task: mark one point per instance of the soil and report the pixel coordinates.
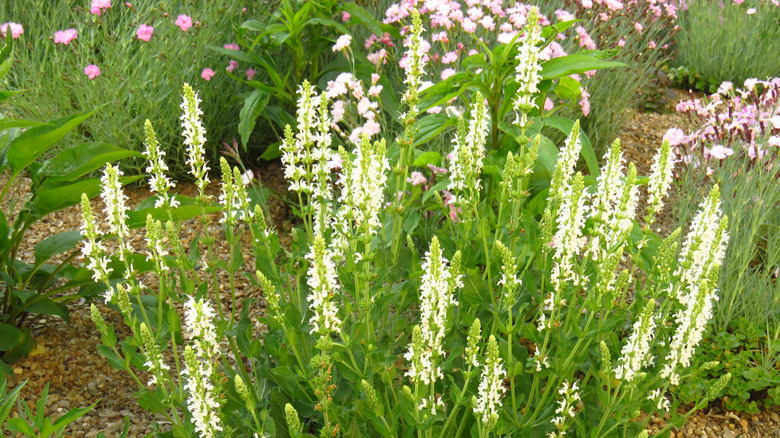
(67, 358)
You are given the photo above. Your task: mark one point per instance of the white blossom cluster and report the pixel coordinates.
(194, 137)
(114, 200)
(568, 239)
(155, 242)
(324, 285)
(296, 149)
(158, 182)
(93, 250)
(660, 181)
(158, 369)
(198, 317)
(233, 197)
(466, 159)
(636, 352)
(363, 184)
(414, 65)
(660, 400)
(201, 400)
(490, 386)
(702, 255)
(564, 169)
(528, 67)
(565, 410)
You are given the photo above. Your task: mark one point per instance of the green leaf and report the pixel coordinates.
(23, 346)
(77, 161)
(426, 158)
(137, 219)
(253, 107)
(113, 360)
(54, 196)
(56, 244)
(20, 426)
(361, 16)
(46, 306)
(5, 232)
(411, 221)
(32, 143)
(71, 416)
(431, 126)
(564, 125)
(9, 335)
(17, 123)
(574, 64)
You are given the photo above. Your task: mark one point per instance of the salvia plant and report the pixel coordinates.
(412, 302)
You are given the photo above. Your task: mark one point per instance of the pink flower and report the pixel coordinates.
(751, 11)
(338, 111)
(207, 74)
(129, 5)
(231, 66)
(652, 44)
(587, 4)
(676, 136)
(374, 78)
(720, 152)
(548, 104)
(345, 16)
(639, 28)
(585, 103)
(374, 90)
(622, 42)
(184, 22)
(250, 74)
(738, 2)
(16, 29)
(449, 58)
(92, 71)
(144, 32)
(378, 57)
(447, 73)
(231, 46)
(434, 110)
(417, 178)
(774, 141)
(98, 6)
(65, 36)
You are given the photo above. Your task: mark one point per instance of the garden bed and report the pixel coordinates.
(67, 355)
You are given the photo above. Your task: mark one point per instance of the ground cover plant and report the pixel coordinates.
(727, 41)
(736, 147)
(474, 320)
(132, 57)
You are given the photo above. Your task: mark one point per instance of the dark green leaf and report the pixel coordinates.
(46, 306)
(9, 335)
(56, 244)
(56, 196)
(113, 360)
(253, 107)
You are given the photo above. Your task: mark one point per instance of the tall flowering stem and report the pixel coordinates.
(491, 388)
(660, 181)
(465, 162)
(415, 69)
(528, 68)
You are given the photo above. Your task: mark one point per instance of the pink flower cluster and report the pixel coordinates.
(16, 29)
(65, 36)
(354, 107)
(732, 121)
(98, 6)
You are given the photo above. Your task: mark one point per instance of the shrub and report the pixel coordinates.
(88, 59)
(483, 312)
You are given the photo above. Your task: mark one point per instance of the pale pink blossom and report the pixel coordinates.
(754, 152)
(232, 46)
(371, 128)
(98, 6)
(345, 16)
(738, 2)
(639, 28)
(434, 110)
(720, 152)
(379, 57)
(374, 78)
(449, 58)
(564, 15)
(622, 42)
(548, 104)
(774, 141)
(652, 44)
(587, 4)
(16, 29)
(184, 22)
(417, 178)
(676, 137)
(342, 43)
(374, 90)
(468, 25)
(488, 23)
(92, 71)
(65, 36)
(207, 74)
(447, 73)
(144, 32)
(338, 111)
(365, 105)
(751, 11)
(585, 103)
(232, 65)
(250, 74)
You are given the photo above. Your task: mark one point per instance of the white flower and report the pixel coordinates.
(201, 401)
(158, 369)
(199, 326)
(490, 386)
(528, 67)
(158, 182)
(324, 285)
(661, 402)
(660, 181)
(466, 158)
(636, 352)
(194, 137)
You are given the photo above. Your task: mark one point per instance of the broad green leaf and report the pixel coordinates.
(137, 219)
(81, 159)
(27, 147)
(426, 158)
(9, 335)
(6, 94)
(564, 125)
(56, 244)
(24, 345)
(431, 126)
(56, 196)
(360, 15)
(20, 426)
(574, 64)
(113, 360)
(568, 88)
(253, 107)
(5, 231)
(271, 151)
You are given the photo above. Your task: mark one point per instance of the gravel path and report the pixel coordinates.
(67, 358)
